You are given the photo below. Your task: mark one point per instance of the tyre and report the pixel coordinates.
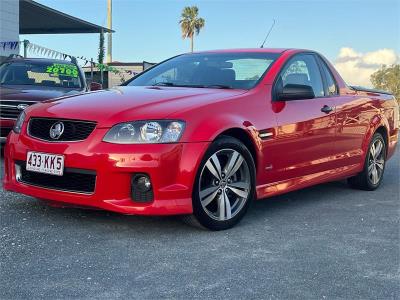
(374, 166)
(224, 185)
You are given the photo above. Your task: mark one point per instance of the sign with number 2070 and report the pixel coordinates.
(62, 69)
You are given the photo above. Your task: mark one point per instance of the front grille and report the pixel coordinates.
(74, 130)
(4, 131)
(73, 180)
(9, 108)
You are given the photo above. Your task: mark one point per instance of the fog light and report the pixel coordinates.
(143, 183)
(142, 189)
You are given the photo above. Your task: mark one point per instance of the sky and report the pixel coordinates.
(357, 36)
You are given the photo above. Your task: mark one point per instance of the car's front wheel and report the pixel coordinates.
(224, 186)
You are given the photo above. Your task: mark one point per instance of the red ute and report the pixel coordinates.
(202, 135)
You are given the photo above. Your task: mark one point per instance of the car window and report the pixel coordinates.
(46, 74)
(330, 81)
(230, 70)
(303, 69)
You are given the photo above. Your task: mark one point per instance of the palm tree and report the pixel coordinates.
(191, 23)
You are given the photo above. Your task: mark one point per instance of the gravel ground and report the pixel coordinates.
(324, 242)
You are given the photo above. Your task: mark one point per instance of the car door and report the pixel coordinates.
(305, 135)
(352, 121)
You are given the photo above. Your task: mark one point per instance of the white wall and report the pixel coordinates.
(9, 24)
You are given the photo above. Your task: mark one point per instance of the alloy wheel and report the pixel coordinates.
(224, 184)
(376, 161)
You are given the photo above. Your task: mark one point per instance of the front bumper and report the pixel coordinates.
(171, 167)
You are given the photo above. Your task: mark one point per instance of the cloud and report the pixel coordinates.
(356, 67)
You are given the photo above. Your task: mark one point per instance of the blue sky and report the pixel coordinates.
(149, 30)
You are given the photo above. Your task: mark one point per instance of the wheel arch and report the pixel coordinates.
(235, 125)
(384, 132)
(245, 137)
(380, 125)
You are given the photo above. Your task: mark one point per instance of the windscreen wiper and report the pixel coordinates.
(218, 86)
(164, 83)
(211, 86)
(205, 86)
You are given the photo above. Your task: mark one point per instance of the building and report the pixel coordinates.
(120, 73)
(9, 26)
(29, 17)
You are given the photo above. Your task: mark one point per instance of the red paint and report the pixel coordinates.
(307, 146)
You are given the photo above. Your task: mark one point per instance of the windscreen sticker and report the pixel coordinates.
(62, 69)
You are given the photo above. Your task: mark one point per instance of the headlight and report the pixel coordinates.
(145, 132)
(19, 122)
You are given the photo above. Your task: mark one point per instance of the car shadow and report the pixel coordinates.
(259, 211)
(103, 220)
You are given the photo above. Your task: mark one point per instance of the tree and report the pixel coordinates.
(101, 48)
(388, 78)
(191, 23)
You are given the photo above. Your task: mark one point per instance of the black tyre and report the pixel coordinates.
(374, 166)
(224, 185)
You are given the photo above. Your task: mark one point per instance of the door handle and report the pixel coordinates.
(326, 109)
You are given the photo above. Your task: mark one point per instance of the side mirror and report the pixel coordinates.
(95, 86)
(295, 92)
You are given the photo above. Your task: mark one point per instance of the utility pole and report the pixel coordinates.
(109, 25)
(26, 44)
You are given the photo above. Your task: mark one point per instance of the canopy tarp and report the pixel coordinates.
(35, 18)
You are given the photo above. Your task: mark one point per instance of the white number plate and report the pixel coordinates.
(45, 163)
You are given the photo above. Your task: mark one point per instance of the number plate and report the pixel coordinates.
(45, 163)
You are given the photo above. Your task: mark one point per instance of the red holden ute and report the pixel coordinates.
(202, 135)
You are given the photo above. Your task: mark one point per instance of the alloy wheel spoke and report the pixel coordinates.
(370, 168)
(239, 184)
(215, 168)
(227, 206)
(375, 177)
(372, 151)
(240, 193)
(234, 164)
(231, 162)
(378, 149)
(221, 207)
(380, 163)
(208, 195)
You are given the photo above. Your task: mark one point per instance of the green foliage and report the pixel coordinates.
(190, 23)
(112, 69)
(101, 48)
(388, 78)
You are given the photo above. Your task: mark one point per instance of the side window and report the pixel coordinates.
(303, 69)
(330, 81)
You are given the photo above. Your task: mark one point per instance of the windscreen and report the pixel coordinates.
(209, 70)
(46, 74)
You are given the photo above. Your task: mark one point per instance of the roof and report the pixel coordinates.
(123, 64)
(48, 60)
(35, 18)
(258, 50)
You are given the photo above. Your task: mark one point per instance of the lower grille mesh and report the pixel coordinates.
(73, 180)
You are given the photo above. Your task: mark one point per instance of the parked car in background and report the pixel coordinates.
(25, 81)
(204, 134)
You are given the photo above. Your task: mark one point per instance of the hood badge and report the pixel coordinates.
(56, 130)
(22, 106)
